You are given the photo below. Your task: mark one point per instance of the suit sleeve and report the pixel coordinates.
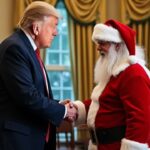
(19, 81)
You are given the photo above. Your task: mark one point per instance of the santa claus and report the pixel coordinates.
(118, 112)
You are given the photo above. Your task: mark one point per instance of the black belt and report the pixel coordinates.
(107, 135)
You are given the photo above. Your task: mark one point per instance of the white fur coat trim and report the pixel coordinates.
(81, 113)
(132, 145)
(95, 103)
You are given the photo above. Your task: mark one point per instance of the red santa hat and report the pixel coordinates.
(114, 31)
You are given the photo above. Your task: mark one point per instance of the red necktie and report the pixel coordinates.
(46, 84)
(42, 68)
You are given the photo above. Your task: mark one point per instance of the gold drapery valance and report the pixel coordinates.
(135, 9)
(84, 11)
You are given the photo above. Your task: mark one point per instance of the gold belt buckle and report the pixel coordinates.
(93, 136)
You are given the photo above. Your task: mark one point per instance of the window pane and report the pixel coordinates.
(66, 94)
(53, 58)
(56, 94)
(54, 78)
(63, 25)
(65, 59)
(66, 79)
(65, 42)
(54, 44)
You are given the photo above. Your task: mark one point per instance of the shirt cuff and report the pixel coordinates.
(65, 112)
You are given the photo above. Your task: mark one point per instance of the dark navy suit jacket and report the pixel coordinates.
(25, 108)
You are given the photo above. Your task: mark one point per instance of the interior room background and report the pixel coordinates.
(82, 15)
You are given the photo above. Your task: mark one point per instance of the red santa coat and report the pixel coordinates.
(123, 100)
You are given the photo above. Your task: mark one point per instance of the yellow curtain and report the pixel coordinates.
(83, 57)
(84, 14)
(136, 13)
(20, 5)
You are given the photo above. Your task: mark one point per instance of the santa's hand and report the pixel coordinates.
(71, 112)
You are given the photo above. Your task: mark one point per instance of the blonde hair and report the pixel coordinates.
(36, 11)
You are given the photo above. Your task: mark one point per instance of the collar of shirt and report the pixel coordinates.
(30, 39)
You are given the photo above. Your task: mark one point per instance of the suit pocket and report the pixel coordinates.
(16, 127)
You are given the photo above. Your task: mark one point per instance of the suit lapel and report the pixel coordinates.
(33, 55)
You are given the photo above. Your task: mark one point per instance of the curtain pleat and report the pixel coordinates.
(91, 59)
(136, 13)
(72, 53)
(18, 11)
(147, 36)
(79, 59)
(140, 34)
(147, 42)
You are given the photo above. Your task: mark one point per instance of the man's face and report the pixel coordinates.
(103, 47)
(47, 32)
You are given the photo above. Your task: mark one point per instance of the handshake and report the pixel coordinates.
(71, 110)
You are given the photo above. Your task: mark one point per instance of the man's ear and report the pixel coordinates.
(35, 28)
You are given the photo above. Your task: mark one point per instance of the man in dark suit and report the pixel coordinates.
(27, 107)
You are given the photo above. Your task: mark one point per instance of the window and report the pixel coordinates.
(58, 60)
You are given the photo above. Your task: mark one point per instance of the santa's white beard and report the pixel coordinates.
(100, 71)
(105, 64)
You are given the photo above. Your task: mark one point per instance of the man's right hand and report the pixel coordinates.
(71, 112)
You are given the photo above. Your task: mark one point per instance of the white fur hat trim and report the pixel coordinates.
(81, 113)
(106, 33)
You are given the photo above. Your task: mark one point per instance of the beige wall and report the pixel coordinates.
(6, 15)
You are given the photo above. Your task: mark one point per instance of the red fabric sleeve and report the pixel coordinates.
(135, 95)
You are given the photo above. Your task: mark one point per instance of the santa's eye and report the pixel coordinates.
(102, 53)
